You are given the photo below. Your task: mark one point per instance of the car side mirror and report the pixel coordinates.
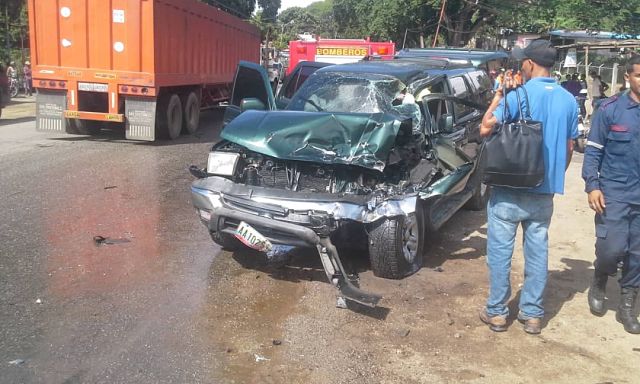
(445, 123)
(252, 103)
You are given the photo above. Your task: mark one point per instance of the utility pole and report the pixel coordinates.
(6, 20)
(435, 37)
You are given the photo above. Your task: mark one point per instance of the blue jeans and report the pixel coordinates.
(507, 209)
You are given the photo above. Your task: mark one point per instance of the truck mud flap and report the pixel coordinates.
(50, 106)
(140, 118)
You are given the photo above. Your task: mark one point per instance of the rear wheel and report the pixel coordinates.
(169, 116)
(87, 127)
(191, 113)
(396, 245)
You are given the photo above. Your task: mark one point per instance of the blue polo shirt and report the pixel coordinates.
(557, 109)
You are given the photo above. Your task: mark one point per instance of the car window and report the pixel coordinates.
(347, 92)
(248, 85)
(300, 77)
(482, 83)
(460, 90)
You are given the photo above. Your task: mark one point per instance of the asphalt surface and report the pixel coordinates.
(72, 311)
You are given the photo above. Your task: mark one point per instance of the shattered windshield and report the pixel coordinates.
(347, 92)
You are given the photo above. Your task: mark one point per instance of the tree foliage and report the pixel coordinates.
(14, 31)
(240, 8)
(462, 19)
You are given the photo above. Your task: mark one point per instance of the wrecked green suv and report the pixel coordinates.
(384, 150)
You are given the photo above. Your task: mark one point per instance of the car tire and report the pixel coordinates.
(396, 245)
(225, 240)
(480, 197)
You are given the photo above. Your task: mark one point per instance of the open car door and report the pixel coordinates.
(455, 141)
(251, 90)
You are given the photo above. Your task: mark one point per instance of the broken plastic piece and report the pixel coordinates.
(100, 240)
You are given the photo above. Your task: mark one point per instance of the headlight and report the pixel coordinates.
(222, 163)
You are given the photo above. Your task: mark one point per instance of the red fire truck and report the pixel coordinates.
(337, 51)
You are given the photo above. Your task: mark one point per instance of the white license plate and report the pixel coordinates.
(93, 87)
(252, 238)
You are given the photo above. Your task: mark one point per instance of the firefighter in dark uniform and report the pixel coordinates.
(611, 170)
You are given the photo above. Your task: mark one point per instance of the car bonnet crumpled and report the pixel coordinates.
(322, 137)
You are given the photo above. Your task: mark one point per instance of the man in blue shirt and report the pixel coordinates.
(611, 170)
(557, 109)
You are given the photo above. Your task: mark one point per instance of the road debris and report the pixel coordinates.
(438, 269)
(16, 362)
(277, 342)
(111, 187)
(38, 301)
(260, 358)
(100, 240)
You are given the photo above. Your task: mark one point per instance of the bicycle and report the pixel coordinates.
(14, 87)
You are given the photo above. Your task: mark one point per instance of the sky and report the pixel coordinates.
(284, 4)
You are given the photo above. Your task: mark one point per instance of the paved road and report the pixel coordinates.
(74, 312)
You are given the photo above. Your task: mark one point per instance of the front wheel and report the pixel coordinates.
(396, 245)
(226, 241)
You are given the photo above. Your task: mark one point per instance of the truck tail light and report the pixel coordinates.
(301, 49)
(137, 90)
(383, 50)
(61, 84)
(52, 83)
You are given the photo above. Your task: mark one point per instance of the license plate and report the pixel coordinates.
(93, 87)
(250, 237)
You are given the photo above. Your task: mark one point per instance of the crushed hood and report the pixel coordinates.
(322, 137)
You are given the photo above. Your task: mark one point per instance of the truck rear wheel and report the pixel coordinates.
(86, 127)
(169, 116)
(191, 113)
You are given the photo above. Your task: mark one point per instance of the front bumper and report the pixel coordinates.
(283, 215)
(293, 218)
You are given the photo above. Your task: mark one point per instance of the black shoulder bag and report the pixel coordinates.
(514, 153)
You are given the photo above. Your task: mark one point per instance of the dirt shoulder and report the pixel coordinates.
(280, 325)
(19, 109)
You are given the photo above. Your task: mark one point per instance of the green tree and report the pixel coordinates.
(240, 8)
(14, 31)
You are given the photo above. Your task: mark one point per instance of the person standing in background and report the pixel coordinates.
(27, 76)
(598, 89)
(611, 173)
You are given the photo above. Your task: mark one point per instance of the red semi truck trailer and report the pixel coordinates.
(336, 51)
(148, 66)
